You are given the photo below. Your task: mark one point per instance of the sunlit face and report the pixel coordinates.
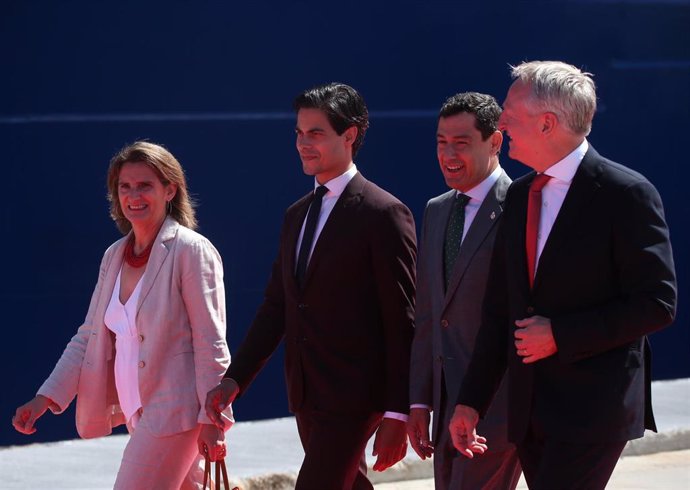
(142, 196)
(523, 126)
(323, 152)
(465, 158)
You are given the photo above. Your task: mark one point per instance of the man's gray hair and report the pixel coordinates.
(562, 89)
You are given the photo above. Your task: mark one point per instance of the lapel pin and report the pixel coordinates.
(493, 215)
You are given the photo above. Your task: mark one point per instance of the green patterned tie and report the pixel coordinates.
(456, 224)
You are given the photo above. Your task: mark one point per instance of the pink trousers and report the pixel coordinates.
(160, 463)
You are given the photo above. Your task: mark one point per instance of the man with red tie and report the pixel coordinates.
(582, 272)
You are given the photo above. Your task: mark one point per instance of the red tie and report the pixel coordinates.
(533, 212)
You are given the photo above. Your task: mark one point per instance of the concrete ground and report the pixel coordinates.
(660, 471)
(266, 455)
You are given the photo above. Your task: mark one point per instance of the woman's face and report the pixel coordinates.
(142, 196)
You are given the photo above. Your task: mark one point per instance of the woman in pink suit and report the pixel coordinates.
(153, 341)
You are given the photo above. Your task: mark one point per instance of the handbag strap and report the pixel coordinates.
(221, 475)
(207, 472)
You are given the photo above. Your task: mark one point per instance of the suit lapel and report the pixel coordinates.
(111, 277)
(518, 207)
(584, 186)
(435, 246)
(159, 253)
(350, 198)
(487, 216)
(292, 231)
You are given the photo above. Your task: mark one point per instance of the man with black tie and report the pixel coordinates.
(455, 247)
(341, 294)
(582, 271)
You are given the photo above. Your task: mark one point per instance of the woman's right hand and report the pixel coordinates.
(26, 416)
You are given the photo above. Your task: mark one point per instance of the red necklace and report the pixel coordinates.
(140, 260)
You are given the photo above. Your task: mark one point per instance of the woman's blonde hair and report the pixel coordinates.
(169, 171)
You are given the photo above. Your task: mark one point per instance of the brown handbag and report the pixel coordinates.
(221, 475)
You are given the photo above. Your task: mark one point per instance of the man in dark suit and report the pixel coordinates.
(457, 239)
(582, 272)
(341, 294)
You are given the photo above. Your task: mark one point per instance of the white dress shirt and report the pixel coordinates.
(554, 192)
(121, 319)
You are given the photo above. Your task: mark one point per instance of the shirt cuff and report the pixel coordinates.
(420, 405)
(395, 415)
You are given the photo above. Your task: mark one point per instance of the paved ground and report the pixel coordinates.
(266, 455)
(660, 471)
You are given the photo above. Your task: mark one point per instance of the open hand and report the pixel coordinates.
(390, 444)
(418, 432)
(463, 431)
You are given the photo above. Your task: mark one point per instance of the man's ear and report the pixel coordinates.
(350, 135)
(549, 122)
(496, 141)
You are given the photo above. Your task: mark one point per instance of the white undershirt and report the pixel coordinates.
(121, 319)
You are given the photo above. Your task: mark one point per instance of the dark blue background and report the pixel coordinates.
(214, 81)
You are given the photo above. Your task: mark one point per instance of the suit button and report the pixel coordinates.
(141, 338)
(142, 364)
(530, 310)
(302, 306)
(444, 323)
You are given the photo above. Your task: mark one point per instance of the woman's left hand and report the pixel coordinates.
(211, 442)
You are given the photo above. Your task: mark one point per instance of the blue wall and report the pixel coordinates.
(214, 82)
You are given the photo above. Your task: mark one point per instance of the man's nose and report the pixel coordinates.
(302, 141)
(448, 151)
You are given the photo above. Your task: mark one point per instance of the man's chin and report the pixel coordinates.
(308, 170)
(454, 183)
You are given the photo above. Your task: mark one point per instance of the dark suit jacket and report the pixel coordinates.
(605, 279)
(447, 322)
(348, 331)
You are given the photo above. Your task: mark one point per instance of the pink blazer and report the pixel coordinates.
(181, 324)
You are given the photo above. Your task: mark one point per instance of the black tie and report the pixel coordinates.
(456, 225)
(308, 237)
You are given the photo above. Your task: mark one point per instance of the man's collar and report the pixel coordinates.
(481, 190)
(337, 185)
(565, 169)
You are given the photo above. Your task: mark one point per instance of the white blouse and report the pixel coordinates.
(121, 319)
